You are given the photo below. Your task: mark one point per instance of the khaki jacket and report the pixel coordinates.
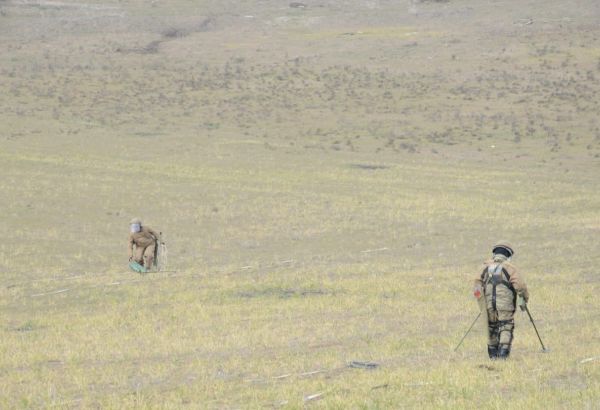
(146, 237)
(504, 299)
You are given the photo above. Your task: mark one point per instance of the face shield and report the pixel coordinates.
(135, 228)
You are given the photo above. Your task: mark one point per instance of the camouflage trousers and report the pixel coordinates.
(500, 333)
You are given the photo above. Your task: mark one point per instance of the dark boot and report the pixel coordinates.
(493, 352)
(504, 352)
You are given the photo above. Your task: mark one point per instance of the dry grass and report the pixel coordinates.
(326, 198)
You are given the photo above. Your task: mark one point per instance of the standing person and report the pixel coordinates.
(145, 240)
(499, 284)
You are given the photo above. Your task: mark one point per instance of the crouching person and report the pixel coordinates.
(142, 244)
(499, 283)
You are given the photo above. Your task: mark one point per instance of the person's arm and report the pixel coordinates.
(478, 284)
(519, 284)
(153, 233)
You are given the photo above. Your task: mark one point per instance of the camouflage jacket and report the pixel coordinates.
(501, 283)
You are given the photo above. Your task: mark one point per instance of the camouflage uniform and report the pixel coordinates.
(501, 284)
(145, 243)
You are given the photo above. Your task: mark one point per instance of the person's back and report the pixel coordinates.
(500, 284)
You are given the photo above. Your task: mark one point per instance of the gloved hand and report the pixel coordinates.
(477, 291)
(522, 302)
(130, 258)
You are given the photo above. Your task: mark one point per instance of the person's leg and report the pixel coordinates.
(149, 256)
(505, 330)
(138, 255)
(493, 340)
(493, 335)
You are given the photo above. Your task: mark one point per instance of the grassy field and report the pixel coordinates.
(328, 180)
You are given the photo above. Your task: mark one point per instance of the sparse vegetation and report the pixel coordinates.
(328, 178)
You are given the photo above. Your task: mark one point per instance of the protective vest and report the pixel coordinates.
(500, 293)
